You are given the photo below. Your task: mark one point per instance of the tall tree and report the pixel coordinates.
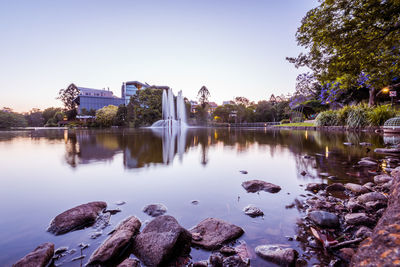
(68, 95)
(352, 43)
(203, 96)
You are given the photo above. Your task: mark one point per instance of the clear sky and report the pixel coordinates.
(235, 48)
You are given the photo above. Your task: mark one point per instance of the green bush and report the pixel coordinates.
(380, 114)
(285, 121)
(358, 116)
(343, 114)
(327, 118)
(11, 119)
(298, 119)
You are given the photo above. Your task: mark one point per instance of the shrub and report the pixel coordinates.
(380, 114)
(106, 115)
(11, 119)
(343, 114)
(327, 118)
(297, 119)
(358, 116)
(285, 121)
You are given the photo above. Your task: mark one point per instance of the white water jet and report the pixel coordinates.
(172, 117)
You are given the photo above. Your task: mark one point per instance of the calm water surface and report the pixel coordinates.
(46, 172)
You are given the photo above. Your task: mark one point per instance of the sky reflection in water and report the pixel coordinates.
(45, 172)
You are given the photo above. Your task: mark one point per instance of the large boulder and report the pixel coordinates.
(212, 233)
(277, 254)
(372, 196)
(76, 218)
(383, 178)
(161, 240)
(254, 186)
(129, 263)
(116, 245)
(324, 218)
(40, 257)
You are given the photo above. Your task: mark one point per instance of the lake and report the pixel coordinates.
(45, 172)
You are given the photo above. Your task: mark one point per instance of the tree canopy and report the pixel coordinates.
(68, 95)
(203, 96)
(352, 43)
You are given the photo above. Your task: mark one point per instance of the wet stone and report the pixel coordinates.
(254, 186)
(356, 188)
(253, 211)
(233, 261)
(129, 263)
(155, 210)
(324, 219)
(200, 264)
(227, 250)
(277, 254)
(335, 187)
(315, 187)
(375, 205)
(383, 178)
(358, 219)
(40, 257)
(372, 196)
(363, 232)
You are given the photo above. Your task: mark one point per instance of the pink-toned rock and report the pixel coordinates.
(40, 257)
(76, 218)
(214, 233)
(129, 263)
(117, 243)
(254, 186)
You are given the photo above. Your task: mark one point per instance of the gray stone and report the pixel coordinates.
(233, 261)
(277, 254)
(60, 250)
(363, 232)
(369, 186)
(356, 188)
(358, 219)
(315, 187)
(129, 263)
(335, 187)
(116, 244)
(155, 210)
(40, 257)
(161, 240)
(387, 150)
(76, 218)
(254, 186)
(200, 264)
(367, 163)
(324, 219)
(372, 196)
(353, 205)
(253, 211)
(227, 250)
(383, 178)
(215, 232)
(375, 205)
(215, 260)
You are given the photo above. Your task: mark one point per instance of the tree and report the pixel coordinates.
(35, 118)
(203, 96)
(49, 113)
(241, 100)
(352, 43)
(68, 95)
(121, 116)
(10, 119)
(145, 107)
(105, 116)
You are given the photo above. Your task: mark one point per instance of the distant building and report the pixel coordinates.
(193, 106)
(129, 89)
(212, 106)
(229, 102)
(94, 99)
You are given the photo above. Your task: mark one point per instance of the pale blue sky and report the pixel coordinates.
(235, 48)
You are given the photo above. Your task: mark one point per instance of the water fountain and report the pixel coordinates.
(171, 117)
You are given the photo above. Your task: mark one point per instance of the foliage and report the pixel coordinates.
(121, 116)
(296, 124)
(105, 116)
(11, 119)
(380, 114)
(35, 118)
(343, 113)
(68, 95)
(202, 114)
(203, 96)
(241, 100)
(144, 108)
(285, 121)
(49, 113)
(91, 112)
(351, 43)
(358, 116)
(327, 118)
(298, 119)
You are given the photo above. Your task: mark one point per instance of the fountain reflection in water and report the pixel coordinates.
(172, 127)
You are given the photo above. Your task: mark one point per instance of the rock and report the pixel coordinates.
(303, 173)
(254, 186)
(120, 202)
(76, 218)
(40, 257)
(102, 221)
(112, 211)
(215, 233)
(346, 253)
(353, 205)
(335, 187)
(365, 144)
(369, 186)
(253, 211)
(315, 187)
(161, 240)
(129, 263)
(324, 219)
(387, 150)
(243, 172)
(277, 254)
(116, 244)
(96, 234)
(367, 163)
(358, 219)
(372, 196)
(363, 232)
(375, 205)
(383, 178)
(215, 260)
(243, 252)
(78, 258)
(155, 210)
(323, 174)
(60, 250)
(356, 188)
(347, 144)
(233, 261)
(227, 250)
(200, 264)
(195, 202)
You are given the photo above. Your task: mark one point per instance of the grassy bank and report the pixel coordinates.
(297, 124)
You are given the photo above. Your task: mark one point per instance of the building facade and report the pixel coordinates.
(129, 89)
